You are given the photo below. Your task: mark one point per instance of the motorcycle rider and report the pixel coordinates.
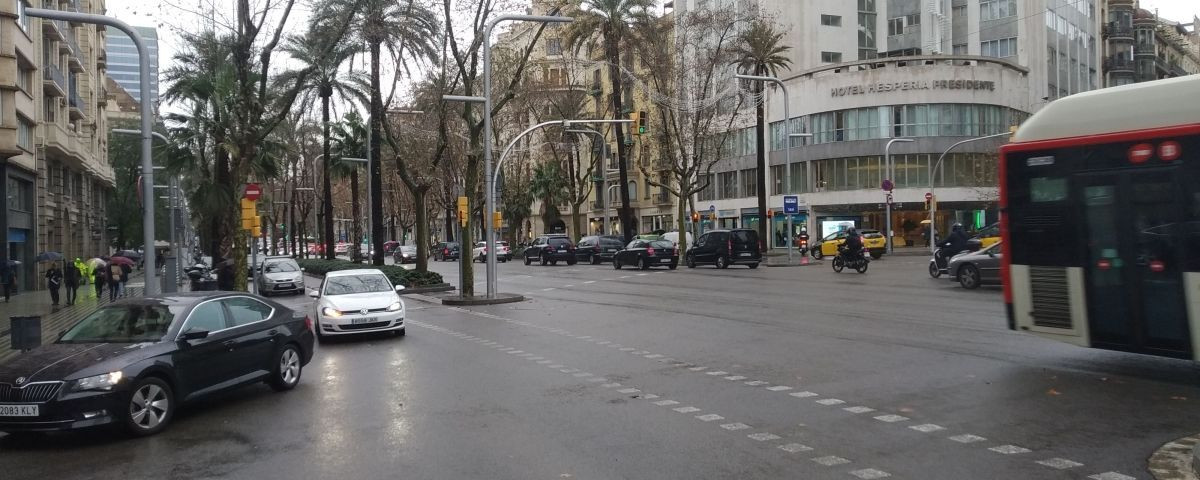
(955, 243)
(854, 245)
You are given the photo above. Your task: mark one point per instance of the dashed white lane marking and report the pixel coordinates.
(547, 289)
(1009, 449)
(1059, 463)
(514, 352)
(537, 358)
(556, 366)
(568, 370)
(664, 403)
(543, 362)
(735, 426)
(697, 369)
(927, 428)
(1110, 476)
(755, 383)
(967, 438)
(597, 379)
(568, 286)
(870, 474)
(830, 460)
(716, 372)
(626, 276)
(649, 396)
(795, 448)
(611, 385)
(859, 409)
(686, 409)
(640, 275)
(735, 377)
(654, 355)
(762, 437)
(628, 390)
(831, 401)
(589, 282)
(582, 374)
(627, 349)
(891, 418)
(779, 388)
(709, 417)
(803, 394)
(639, 352)
(584, 337)
(606, 342)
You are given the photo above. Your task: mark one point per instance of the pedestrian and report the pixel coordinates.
(98, 280)
(54, 278)
(114, 281)
(8, 276)
(779, 241)
(126, 271)
(72, 275)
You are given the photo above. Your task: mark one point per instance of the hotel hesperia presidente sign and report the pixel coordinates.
(914, 85)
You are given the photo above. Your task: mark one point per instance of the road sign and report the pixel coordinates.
(712, 209)
(928, 196)
(252, 192)
(888, 185)
(889, 199)
(791, 204)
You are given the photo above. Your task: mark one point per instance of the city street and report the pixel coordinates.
(692, 373)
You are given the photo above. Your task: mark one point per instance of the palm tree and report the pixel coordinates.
(350, 137)
(409, 31)
(760, 51)
(612, 21)
(324, 57)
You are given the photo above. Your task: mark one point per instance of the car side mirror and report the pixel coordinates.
(992, 254)
(399, 288)
(194, 334)
(301, 269)
(314, 293)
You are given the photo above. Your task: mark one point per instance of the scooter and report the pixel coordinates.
(939, 264)
(858, 264)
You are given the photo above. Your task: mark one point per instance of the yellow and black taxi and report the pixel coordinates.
(984, 238)
(873, 242)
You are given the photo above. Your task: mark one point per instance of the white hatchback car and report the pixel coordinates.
(358, 301)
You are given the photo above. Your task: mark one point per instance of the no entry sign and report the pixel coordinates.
(252, 192)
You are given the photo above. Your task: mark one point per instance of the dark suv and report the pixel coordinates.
(598, 249)
(444, 251)
(550, 249)
(723, 248)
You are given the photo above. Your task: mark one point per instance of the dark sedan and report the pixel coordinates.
(549, 249)
(599, 248)
(647, 253)
(972, 269)
(404, 254)
(134, 362)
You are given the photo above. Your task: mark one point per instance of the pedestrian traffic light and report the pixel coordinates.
(462, 211)
(641, 123)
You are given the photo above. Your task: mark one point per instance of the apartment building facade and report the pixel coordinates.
(53, 135)
(1140, 46)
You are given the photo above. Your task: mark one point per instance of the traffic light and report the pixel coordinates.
(770, 214)
(636, 117)
(641, 123)
(249, 214)
(462, 211)
(695, 217)
(496, 220)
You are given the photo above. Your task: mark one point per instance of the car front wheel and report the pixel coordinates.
(616, 263)
(691, 261)
(527, 261)
(968, 277)
(151, 407)
(722, 262)
(817, 254)
(286, 372)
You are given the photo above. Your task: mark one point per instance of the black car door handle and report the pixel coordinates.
(228, 344)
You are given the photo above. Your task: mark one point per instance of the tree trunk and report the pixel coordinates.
(681, 213)
(422, 226)
(465, 242)
(326, 188)
(613, 52)
(376, 178)
(576, 222)
(449, 225)
(761, 155)
(356, 225)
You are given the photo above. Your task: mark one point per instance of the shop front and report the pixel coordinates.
(779, 225)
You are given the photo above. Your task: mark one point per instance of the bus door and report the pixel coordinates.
(1134, 237)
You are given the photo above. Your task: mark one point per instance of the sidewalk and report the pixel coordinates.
(57, 319)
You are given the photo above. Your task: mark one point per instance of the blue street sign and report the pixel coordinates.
(791, 204)
(712, 209)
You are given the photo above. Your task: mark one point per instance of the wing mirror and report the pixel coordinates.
(399, 288)
(194, 334)
(992, 254)
(301, 269)
(314, 293)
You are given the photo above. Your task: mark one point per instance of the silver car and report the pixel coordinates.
(973, 269)
(279, 275)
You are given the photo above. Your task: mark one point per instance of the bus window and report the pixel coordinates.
(1046, 189)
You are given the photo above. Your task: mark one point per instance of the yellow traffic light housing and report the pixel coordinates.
(636, 118)
(462, 211)
(496, 220)
(641, 123)
(249, 214)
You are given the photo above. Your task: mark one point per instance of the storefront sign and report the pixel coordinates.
(884, 87)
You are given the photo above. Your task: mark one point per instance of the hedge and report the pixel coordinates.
(398, 275)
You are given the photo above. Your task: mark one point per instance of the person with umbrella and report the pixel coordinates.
(54, 278)
(72, 274)
(115, 272)
(96, 267)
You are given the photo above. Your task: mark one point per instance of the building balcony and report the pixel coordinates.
(53, 29)
(102, 59)
(53, 80)
(662, 198)
(8, 142)
(1118, 64)
(57, 140)
(1116, 31)
(77, 108)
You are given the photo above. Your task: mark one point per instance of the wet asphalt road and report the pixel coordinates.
(738, 373)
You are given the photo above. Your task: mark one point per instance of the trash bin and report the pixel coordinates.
(25, 333)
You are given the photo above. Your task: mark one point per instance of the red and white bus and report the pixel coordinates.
(1100, 219)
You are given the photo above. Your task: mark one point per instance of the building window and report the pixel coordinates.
(959, 11)
(25, 134)
(831, 20)
(1004, 47)
(867, 47)
(22, 17)
(903, 24)
(960, 49)
(996, 9)
(24, 78)
(831, 57)
(51, 108)
(777, 176)
(749, 182)
(553, 46)
(727, 185)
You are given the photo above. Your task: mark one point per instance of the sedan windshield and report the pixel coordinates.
(281, 267)
(408, 249)
(662, 244)
(357, 284)
(122, 324)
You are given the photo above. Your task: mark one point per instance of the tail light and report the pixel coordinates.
(729, 245)
(675, 252)
(650, 251)
(308, 323)
(597, 248)
(445, 251)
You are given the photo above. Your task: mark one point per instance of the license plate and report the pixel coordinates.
(356, 321)
(284, 285)
(561, 250)
(18, 410)
(744, 254)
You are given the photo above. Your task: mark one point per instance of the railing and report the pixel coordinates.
(1114, 63)
(1116, 30)
(51, 72)
(73, 99)
(662, 197)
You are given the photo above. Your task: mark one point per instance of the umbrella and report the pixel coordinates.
(13, 263)
(95, 263)
(49, 257)
(120, 261)
(925, 222)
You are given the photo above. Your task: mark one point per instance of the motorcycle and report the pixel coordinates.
(939, 264)
(859, 263)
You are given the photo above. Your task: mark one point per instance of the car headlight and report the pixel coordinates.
(395, 307)
(105, 382)
(330, 312)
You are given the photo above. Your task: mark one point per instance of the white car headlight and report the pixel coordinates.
(395, 307)
(105, 381)
(330, 312)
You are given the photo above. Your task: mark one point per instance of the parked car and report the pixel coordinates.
(316, 249)
(723, 248)
(973, 269)
(673, 237)
(873, 242)
(135, 362)
(341, 248)
(549, 249)
(648, 253)
(479, 253)
(444, 251)
(404, 254)
(279, 275)
(358, 301)
(598, 248)
(390, 246)
(986, 237)
(505, 252)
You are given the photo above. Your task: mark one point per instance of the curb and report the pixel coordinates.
(809, 264)
(1177, 459)
(444, 287)
(472, 301)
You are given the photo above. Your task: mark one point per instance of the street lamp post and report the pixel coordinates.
(147, 121)
(933, 200)
(487, 129)
(887, 166)
(787, 152)
(787, 185)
